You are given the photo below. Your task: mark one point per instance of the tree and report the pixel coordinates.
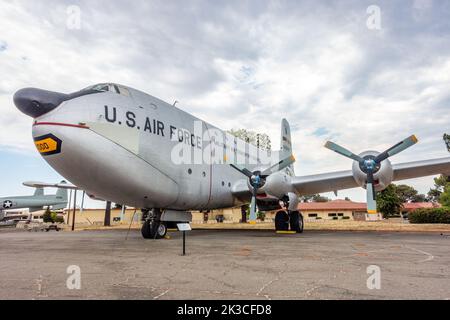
(260, 140)
(313, 198)
(47, 216)
(420, 198)
(409, 194)
(319, 198)
(444, 198)
(307, 198)
(441, 184)
(117, 206)
(389, 203)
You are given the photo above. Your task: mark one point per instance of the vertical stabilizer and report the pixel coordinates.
(39, 192)
(61, 195)
(286, 143)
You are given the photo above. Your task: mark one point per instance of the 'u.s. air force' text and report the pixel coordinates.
(154, 126)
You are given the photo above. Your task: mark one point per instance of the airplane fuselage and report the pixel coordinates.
(134, 149)
(32, 202)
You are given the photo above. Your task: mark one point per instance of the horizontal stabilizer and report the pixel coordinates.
(61, 185)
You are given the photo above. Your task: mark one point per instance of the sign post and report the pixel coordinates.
(183, 227)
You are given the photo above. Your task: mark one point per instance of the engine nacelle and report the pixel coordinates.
(383, 177)
(278, 184)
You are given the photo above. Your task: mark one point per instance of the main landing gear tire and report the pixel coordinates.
(281, 221)
(153, 230)
(296, 221)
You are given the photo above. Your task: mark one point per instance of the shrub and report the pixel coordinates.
(59, 219)
(261, 215)
(47, 216)
(346, 218)
(430, 215)
(335, 218)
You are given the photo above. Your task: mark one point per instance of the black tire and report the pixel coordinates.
(281, 221)
(153, 230)
(296, 221)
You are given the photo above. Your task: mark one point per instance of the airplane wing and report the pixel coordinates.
(339, 180)
(333, 181)
(61, 185)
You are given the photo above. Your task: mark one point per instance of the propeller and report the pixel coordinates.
(258, 178)
(371, 164)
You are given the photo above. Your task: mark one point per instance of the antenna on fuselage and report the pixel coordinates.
(175, 103)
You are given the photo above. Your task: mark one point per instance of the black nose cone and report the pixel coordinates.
(36, 102)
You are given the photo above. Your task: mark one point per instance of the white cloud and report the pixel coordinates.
(248, 65)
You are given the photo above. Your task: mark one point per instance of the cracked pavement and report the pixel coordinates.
(224, 264)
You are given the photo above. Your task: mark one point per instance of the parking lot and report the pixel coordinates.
(224, 264)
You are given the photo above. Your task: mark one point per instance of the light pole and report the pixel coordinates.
(74, 208)
(107, 221)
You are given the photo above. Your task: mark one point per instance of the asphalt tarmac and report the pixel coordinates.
(224, 264)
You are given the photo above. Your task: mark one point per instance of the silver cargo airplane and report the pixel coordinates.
(126, 146)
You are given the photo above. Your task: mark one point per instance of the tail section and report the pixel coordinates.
(61, 194)
(286, 143)
(39, 192)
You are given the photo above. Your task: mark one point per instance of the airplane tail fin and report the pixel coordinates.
(286, 143)
(61, 194)
(39, 192)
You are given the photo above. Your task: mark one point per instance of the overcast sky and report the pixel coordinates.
(241, 64)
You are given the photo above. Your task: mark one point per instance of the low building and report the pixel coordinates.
(333, 210)
(313, 211)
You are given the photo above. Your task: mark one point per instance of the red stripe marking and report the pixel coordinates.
(60, 124)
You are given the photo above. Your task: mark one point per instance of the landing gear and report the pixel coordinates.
(292, 220)
(296, 221)
(282, 221)
(153, 227)
(289, 218)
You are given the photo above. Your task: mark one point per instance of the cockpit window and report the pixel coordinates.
(109, 87)
(101, 87)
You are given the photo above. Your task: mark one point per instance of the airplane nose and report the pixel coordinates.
(36, 102)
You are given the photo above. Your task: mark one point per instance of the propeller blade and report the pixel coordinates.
(371, 202)
(399, 147)
(342, 151)
(242, 170)
(279, 166)
(252, 218)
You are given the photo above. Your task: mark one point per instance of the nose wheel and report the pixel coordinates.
(153, 227)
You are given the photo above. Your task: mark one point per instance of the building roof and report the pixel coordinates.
(420, 205)
(333, 205)
(354, 206)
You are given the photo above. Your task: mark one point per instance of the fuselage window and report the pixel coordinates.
(124, 91)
